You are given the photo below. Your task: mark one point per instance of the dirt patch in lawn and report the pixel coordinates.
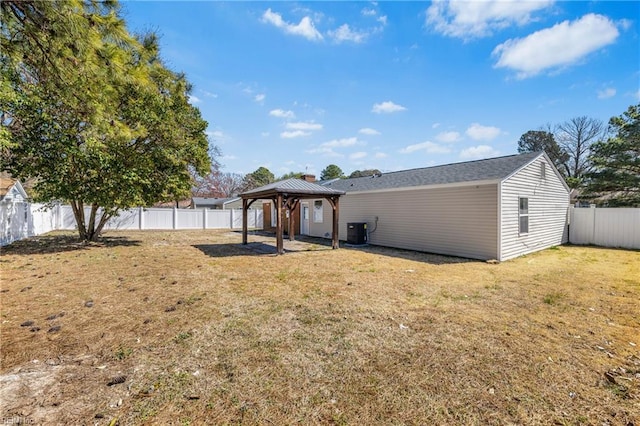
(191, 327)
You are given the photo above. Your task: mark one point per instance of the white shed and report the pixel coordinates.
(11, 190)
(497, 208)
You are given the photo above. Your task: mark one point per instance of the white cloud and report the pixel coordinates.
(368, 131)
(264, 134)
(448, 137)
(380, 155)
(307, 126)
(357, 155)
(430, 147)
(345, 33)
(368, 12)
(470, 19)
(341, 143)
(607, 93)
(383, 20)
(325, 151)
(387, 107)
(482, 133)
(435, 125)
(562, 45)
(304, 28)
(194, 99)
(281, 113)
(477, 152)
(217, 134)
(259, 98)
(294, 134)
(210, 94)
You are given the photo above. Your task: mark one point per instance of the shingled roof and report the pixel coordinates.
(469, 171)
(292, 186)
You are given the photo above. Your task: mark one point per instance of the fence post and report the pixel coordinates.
(592, 209)
(175, 218)
(58, 224)
(140, 218)
(231, 219)
(204, 218)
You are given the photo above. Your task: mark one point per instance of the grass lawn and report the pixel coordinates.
(190, 327)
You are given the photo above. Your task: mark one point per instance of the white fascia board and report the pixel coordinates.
(436, 186)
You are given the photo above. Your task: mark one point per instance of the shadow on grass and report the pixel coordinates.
(416, 256)
(48, 244)
(303, 243)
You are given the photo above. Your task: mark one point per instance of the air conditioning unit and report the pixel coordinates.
(357, 233)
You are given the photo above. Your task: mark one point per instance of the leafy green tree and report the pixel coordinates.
(365, 173)
(91, 112)
(331, 172)
(616, 161)
(541, 140)
(296, 175)
(260, 177)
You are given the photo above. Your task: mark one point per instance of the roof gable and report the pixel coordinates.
(492, 169)
(8, 184)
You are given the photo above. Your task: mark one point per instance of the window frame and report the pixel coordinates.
(523, 213)
(318, 211)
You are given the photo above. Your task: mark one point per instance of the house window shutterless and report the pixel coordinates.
(523, 215)
(317, 211)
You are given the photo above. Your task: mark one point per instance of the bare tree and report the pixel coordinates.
(575, 137)
(218, 184)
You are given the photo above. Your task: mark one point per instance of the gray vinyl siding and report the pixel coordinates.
(548, 208)
(457, 221)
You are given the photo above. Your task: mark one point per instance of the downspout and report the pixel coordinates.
(499, 214)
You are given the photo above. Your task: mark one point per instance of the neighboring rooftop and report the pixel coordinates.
(211, 201)
(469, 171)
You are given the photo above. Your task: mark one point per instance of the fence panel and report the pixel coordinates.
(44, 218)
(158, 218)
(219, 219)
(23, 220)
(190, 219)
(606, 227)
(126, 219)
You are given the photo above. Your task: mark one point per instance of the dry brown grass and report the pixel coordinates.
(201, 330)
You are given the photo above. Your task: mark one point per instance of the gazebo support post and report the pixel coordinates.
(334, 201)
(279, 227)
(291, 204)
(245, 209)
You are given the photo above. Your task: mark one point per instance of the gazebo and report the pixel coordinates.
(286, 194)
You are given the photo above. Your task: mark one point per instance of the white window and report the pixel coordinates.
(523, 215)
(317, 211)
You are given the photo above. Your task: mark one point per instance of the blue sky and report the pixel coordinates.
(296, 86)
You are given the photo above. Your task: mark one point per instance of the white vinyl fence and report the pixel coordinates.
(24, 220)
(606, 227)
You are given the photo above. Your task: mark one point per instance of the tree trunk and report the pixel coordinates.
(103, 221)
(78, 213)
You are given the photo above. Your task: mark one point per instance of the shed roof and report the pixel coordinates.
(469, 171)
(291, 187)
(7, 183)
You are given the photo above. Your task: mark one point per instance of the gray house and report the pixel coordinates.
(497, 208)
(218, 203)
